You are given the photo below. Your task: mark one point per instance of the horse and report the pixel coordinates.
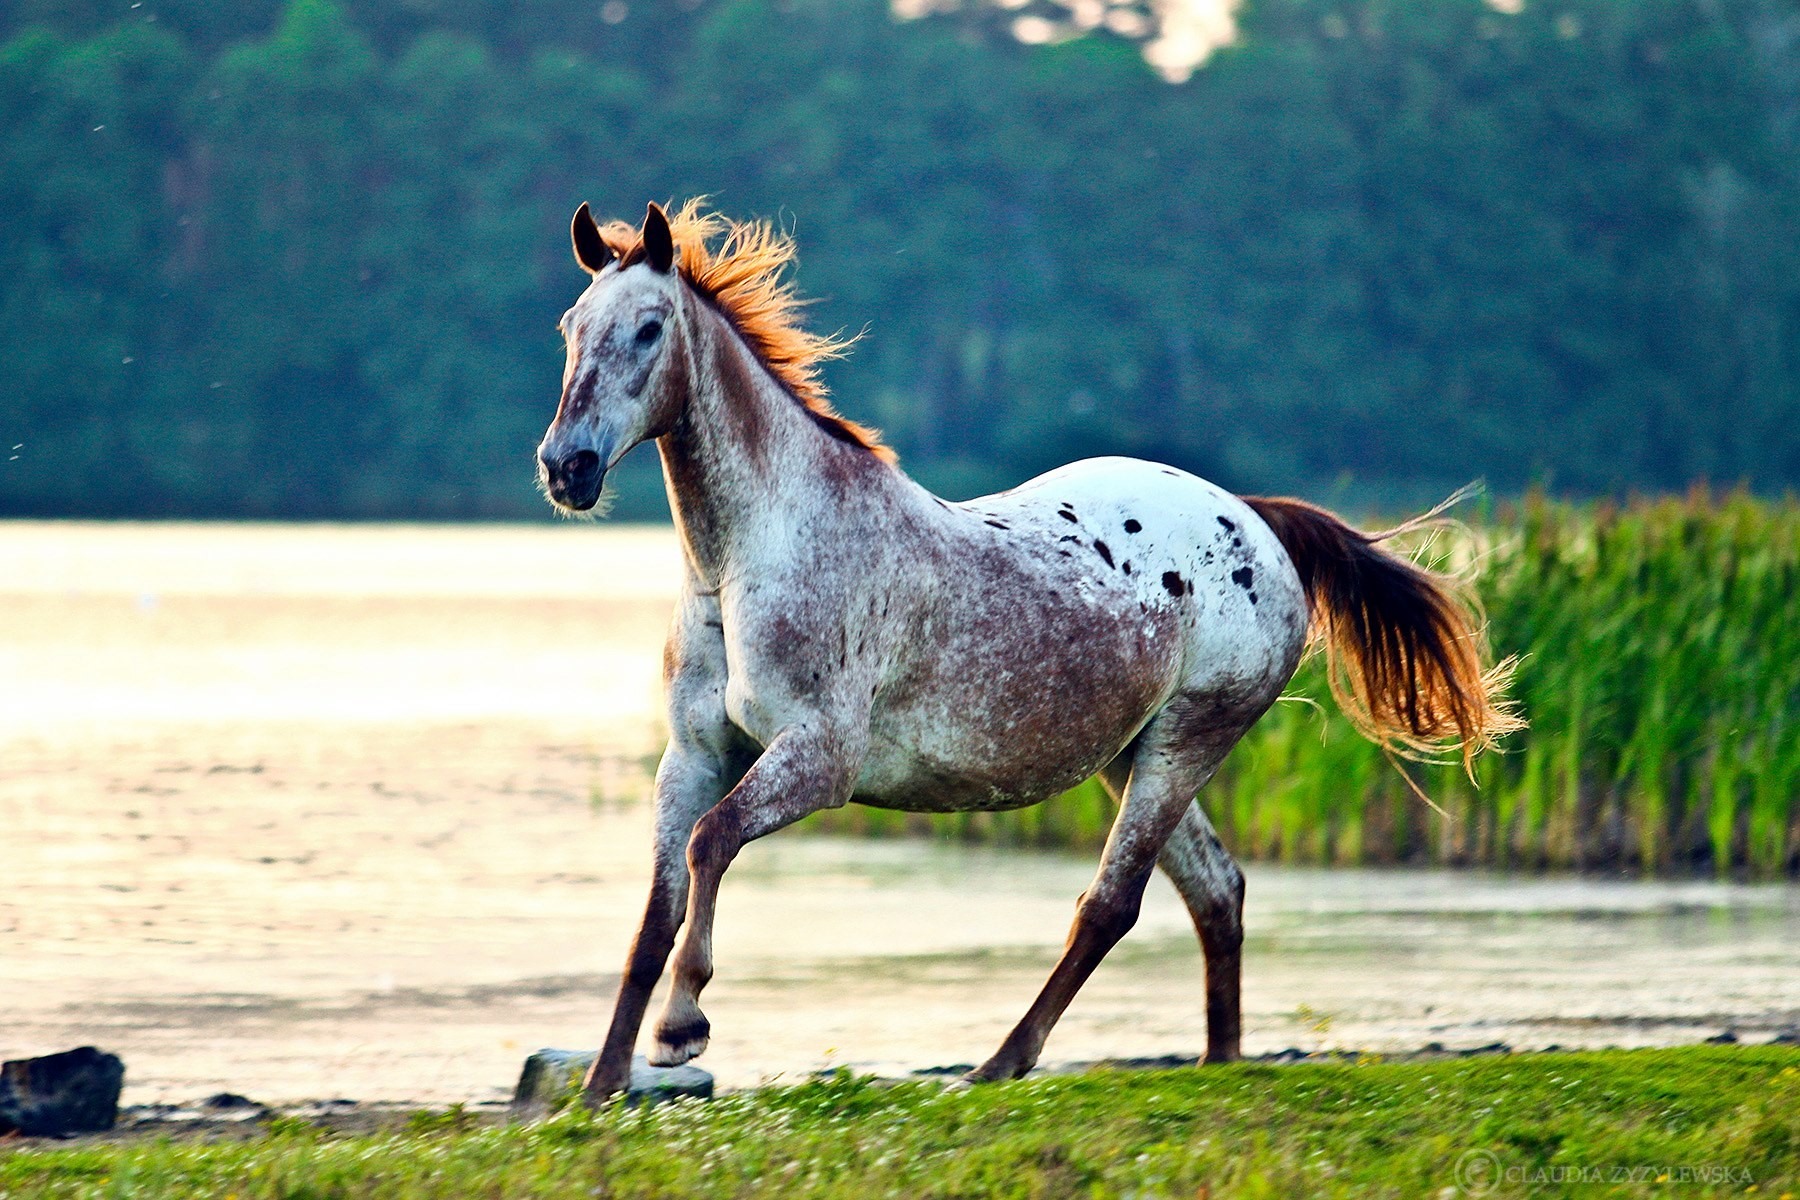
(843, 635)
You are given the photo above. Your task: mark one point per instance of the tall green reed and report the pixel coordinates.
(1659, 666)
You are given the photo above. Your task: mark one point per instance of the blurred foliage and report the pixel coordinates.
(305, 258)
(1659, 666)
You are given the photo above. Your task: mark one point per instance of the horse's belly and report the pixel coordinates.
(1006, 734)
(938, 791)
(896, 778)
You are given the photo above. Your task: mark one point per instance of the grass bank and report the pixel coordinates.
(1700, 1121)
(1659, 647)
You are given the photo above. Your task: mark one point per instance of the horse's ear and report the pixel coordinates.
(591, 250)
(659, 243)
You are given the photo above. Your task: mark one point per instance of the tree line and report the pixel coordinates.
(305, 258)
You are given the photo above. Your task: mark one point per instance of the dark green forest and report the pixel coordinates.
(306, 258)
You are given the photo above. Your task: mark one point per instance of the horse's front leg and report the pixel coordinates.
(689, 781)
(802, 771)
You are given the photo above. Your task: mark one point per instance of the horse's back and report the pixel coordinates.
(1066, 614)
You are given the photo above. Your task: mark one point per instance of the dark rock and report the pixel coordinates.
(653, 1084)
(1728, 1038)
(57, 1095)
(1160, 1062)
(229, 1106)
(226, 1100)
(550, 1077)
(1490, 1048)
(1291, 1054)
(953, 1069)
(1787, 1037)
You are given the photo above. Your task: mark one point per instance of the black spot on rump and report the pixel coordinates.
(1174, 583)
(1253, 597)
(1132, 527)
(1103, 551)
(1227, 524)
(1127, 567)
(1243, 577)
(996, 524)
(1069, 537)
(1066, 515)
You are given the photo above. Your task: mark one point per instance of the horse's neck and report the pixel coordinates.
(745, 461)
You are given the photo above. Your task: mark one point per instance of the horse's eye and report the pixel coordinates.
(649, 331)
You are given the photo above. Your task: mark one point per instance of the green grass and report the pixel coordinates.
(1693, 1122)
(1660, 670)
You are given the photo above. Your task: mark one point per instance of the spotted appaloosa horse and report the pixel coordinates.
(844, 635)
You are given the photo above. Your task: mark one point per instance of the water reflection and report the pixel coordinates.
(359, 812)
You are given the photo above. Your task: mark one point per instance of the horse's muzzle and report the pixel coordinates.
(573, 481)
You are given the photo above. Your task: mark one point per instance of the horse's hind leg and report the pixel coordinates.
(1164, 777)
(1213, 888)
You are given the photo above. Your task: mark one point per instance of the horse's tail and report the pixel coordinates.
(1405, 649)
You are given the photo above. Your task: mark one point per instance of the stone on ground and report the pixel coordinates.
(552, 1076)
(57, 1095)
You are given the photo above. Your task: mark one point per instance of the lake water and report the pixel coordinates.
(316, 811)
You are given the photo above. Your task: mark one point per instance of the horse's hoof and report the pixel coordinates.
(597, 1093)
(681, 1044)
(595, 1099)
(991, 1072)
(673, 1054)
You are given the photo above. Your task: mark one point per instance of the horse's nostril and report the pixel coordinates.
(572, 480)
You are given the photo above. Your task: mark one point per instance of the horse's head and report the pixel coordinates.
(623, 335)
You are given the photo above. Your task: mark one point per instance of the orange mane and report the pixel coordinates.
(742, 275)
